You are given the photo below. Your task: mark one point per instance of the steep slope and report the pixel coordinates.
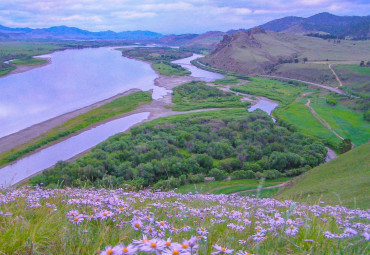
(344, 180)
(205, 41)
(321, 23)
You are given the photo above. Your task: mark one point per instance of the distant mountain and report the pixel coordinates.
(356, 27)
(64, 33)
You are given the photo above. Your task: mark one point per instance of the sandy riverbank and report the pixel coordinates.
(25, 68)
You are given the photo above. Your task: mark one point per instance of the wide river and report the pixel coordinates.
(74, 79)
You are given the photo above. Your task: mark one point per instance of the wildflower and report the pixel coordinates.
(366, 235)
(243, 253)
(77, 220)
(202, 231)
(291, 231)
(258, 237)
(141, 242)
(110, 251)
(127, 250)
(153, 245)
(221, 250)
(136, 224)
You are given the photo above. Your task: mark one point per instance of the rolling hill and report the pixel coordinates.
(354, 26)
(258, 51)
(344, 180)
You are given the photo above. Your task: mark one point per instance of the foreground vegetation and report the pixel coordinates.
(118, 106)
(344, 181)
(89, 221)
(179, 149)
(197, 95)
(161, 58)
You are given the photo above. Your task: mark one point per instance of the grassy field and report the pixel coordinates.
(262, 194)
(197, 95)
(275, 90)
(300, 116)
(344, 180)
(227, 81)
(355, 79)
(29, 61)
(116, 107)
(161, 58)
(227, 187)
(347, 123)
(92, 221)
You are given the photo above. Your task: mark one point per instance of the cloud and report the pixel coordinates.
(166, 16)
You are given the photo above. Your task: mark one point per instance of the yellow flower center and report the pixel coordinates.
(153, 245)
(75, 219)
(291, 227)
(175, 252)
(223, 249)
(162, 223)
(137, 225)
(110, 251)
(105, 214)
(125, 249)
(168, 243)
(185, 246)
(121, 209)
(202, 229)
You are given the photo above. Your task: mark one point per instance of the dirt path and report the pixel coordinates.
(335, 90)
(323, 122)
(330, 155)
(336, 76)
(263, 188)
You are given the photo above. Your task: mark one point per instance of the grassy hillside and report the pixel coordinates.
(345, 180)
(260, 52)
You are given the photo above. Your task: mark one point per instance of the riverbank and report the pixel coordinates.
(25, 68)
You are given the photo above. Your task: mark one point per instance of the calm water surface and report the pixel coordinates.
(65, 150)
(197, 72)
(74, 79)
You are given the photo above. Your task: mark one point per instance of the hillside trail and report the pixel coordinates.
(335, 90)
(336, 76)
(323, 122)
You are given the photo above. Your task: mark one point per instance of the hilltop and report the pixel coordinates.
(258, 51)
(344, 180)
(322, 23)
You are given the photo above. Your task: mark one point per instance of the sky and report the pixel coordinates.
(164, 16)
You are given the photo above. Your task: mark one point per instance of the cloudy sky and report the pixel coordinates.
(165, 16)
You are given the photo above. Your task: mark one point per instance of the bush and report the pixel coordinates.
(242, 174)
(230, 164)
(272, 174)
(218, 174)
(252, 166)
(195, 178)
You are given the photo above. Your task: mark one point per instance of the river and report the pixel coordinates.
(73, 79)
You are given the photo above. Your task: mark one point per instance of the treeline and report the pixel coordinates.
(189, 147)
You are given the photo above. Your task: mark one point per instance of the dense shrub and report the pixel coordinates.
(242, 174)
(218, 174)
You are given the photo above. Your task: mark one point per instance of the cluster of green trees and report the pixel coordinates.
(189, 147)
(197, 95)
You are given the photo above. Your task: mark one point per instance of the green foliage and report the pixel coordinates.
(161, 58)
(344, 180)
(218, 174)
(117, 106)
(367, 115)
(331, 101)
(197, 95)
(29, 61)
(226, 81)
(275, 90)
(242, 174)
(189, 145)
(345, 146)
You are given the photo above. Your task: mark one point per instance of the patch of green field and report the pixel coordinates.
(358, 69)
(344, 180)
(30, 61)
(226, 81)
(275, 90)
(300, 116)
(169, 69)
(227, 187)
(116, 107)
(6, 69)
(161, 58)
(262, 194)
(347, 123)
(197, 95)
